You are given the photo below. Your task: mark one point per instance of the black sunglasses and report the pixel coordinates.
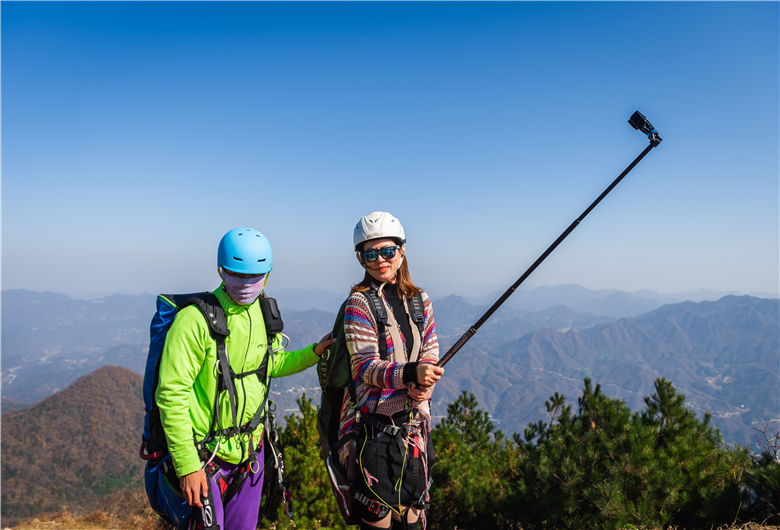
(386, 253)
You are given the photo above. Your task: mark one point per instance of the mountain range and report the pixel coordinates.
(723, 354)
(605, 302)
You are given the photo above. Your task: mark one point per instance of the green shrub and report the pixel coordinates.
(312, 498)
(608, 467)
(473, 470)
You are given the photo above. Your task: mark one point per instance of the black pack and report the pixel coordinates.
(334, 371)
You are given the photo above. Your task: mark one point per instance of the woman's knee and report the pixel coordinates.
(384, 524)
(399, 525)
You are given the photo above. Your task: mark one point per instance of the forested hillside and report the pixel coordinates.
(73, 447)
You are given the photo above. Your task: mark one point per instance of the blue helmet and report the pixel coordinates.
(245, 251)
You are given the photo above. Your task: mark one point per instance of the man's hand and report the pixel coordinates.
(321, 346)
(193, 487)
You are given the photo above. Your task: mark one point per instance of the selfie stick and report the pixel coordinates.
(638, 122)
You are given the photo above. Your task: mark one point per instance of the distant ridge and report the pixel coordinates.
(74, 446)
(603, 302)
(722, 355)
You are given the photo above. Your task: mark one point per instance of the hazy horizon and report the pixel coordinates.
(135, 134)
(435, 291)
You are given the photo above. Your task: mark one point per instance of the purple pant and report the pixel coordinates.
(241, 513)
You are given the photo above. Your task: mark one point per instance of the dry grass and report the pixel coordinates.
(100, 520)
(125, 510)
(130, 510)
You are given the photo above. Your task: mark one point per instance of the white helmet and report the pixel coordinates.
(377, 225)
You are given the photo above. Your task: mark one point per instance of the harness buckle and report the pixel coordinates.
(374, 506)
(392, 430)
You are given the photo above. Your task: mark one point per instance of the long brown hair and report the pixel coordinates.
(403, 281)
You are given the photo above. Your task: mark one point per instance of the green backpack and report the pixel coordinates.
(334, 370)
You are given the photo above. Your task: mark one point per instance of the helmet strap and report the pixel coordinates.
(360, 260)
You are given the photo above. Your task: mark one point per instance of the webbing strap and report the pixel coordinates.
(275, 446)
(261, 371)
(415, 473)
(224, 365)
(377, 508)
(418, 313)
(257, 419)
(369, 451)
(207, 511)
(260, 413)
(341, 441)
(392, 430)
(378, 308)
(357, 431)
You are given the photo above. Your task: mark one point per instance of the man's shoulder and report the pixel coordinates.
(190, 316)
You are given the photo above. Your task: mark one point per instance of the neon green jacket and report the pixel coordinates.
(188, 384)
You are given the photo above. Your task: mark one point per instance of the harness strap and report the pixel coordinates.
(369, 451)
(207, 511)
(392, 430)
(416, 466)
(377, 508)
(384, 430)
(276, 450)
(421, 503)
(239, 479)
(261, 371)
(341, 441)
(260, 413)
(227, 381)
(357, 431)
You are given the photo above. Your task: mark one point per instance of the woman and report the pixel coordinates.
(393, 369)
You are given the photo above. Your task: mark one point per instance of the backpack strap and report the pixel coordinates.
(418, 312)
(377, 306)
(209, 306)
(212, 311)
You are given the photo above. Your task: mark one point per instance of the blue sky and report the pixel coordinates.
(135, 134)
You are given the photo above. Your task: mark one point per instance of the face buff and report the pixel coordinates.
(243, 291)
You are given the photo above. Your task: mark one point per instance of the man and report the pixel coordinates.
(189, 380)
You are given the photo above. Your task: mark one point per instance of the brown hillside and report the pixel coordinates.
(74, 446)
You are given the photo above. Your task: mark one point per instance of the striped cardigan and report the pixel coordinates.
(379, 385)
